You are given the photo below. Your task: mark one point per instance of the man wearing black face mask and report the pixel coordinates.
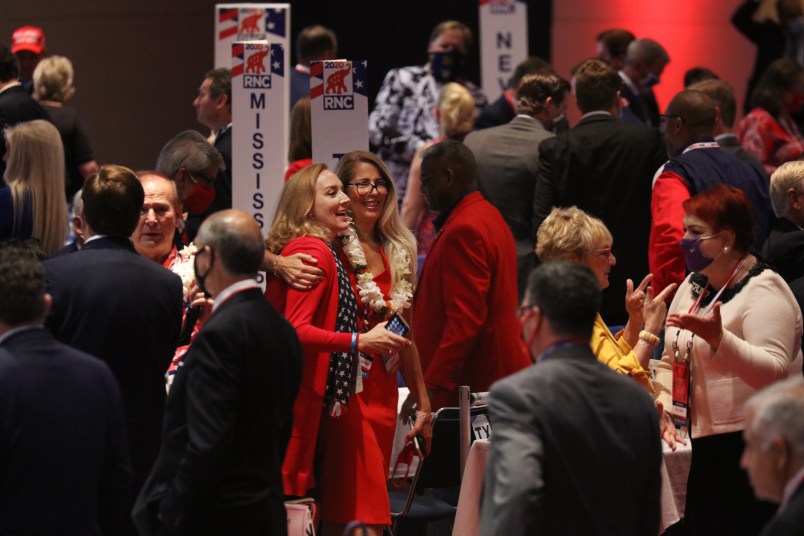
(403, 118)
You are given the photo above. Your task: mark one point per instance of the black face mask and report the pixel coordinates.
(447, 66)
(200, 279)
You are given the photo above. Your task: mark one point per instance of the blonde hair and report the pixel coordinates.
(293, 208)
(569, 234)
(35, 175)
(457, 109)
(53, 79)
(390, 229)
(788, 175)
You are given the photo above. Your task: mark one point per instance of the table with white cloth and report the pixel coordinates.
(675, 470)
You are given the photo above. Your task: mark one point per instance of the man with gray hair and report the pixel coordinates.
(774, 453)
(576, 446)
(229, 414)
(645, 61)
(508, 160)
(193, 163)
(784, 249)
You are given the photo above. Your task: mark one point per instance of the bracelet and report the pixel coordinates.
(648, 338)
(275, 266)
(354, 341)
(426, 416)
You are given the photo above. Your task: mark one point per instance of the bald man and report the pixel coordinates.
(696, 164)
(230, 410)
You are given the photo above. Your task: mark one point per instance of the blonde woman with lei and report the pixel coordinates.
(311, 214)
(380, 255)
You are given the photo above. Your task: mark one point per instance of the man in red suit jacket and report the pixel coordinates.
(466, 329)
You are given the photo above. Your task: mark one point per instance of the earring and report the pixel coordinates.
(725, 249)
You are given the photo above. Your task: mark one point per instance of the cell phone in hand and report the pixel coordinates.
(396, 324)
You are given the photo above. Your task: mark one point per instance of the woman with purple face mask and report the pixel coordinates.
(732, 329)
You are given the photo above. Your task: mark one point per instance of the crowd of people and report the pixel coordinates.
(149, 385)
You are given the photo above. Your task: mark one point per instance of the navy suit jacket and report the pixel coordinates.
(227, 426)
(63, 458)
(126, 310)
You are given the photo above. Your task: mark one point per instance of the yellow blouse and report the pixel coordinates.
(617, 354)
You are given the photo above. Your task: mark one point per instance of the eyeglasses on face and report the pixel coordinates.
(604, 253)
(366, 187)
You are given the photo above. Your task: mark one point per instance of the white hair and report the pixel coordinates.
(778, 410)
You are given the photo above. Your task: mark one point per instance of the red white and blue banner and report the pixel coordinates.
(503, 42)
(250, 22)
(339, 108)
(260, 96)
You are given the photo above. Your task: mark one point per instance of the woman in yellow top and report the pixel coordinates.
(571, 234)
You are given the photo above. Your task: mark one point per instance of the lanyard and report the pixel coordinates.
(694, 308)
(701, 145)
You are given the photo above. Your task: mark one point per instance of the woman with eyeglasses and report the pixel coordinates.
(32, 204)
(312, 212)
(732, 328)
(571, 234)
(379, 254)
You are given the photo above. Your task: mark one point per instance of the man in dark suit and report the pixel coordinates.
(508, 160)
(645, 61)
(774, 453)
(603, 167)
(125, 309)
(467, 286)
(576, 446)
(230, 410)
(784, 249)
(16, 104)
(64, 465)
(213, 108)
(722, 95)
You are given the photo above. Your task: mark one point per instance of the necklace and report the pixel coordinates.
(369, 291)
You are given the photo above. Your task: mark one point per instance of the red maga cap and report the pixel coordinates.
(28, 38)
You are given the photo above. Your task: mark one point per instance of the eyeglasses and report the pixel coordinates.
(201, 179)
(366, 187)
(604, 253)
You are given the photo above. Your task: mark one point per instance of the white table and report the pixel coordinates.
(675, 470)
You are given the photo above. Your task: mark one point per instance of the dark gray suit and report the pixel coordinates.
(507, 165)
(575, 450)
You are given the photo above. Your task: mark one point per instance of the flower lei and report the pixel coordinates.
(369, 291)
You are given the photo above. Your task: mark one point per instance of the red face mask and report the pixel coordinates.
(200, 198)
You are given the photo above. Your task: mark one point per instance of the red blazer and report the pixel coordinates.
(313, 314)
(464, 308)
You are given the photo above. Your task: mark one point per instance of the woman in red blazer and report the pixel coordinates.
(312, 211)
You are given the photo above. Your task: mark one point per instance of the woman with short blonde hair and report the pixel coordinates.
(572, 234)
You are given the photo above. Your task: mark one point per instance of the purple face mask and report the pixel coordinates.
(696, 260)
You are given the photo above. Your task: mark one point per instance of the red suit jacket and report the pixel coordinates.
(313, 314)
(464, 309)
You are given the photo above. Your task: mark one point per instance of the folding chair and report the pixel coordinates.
(441, 468)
